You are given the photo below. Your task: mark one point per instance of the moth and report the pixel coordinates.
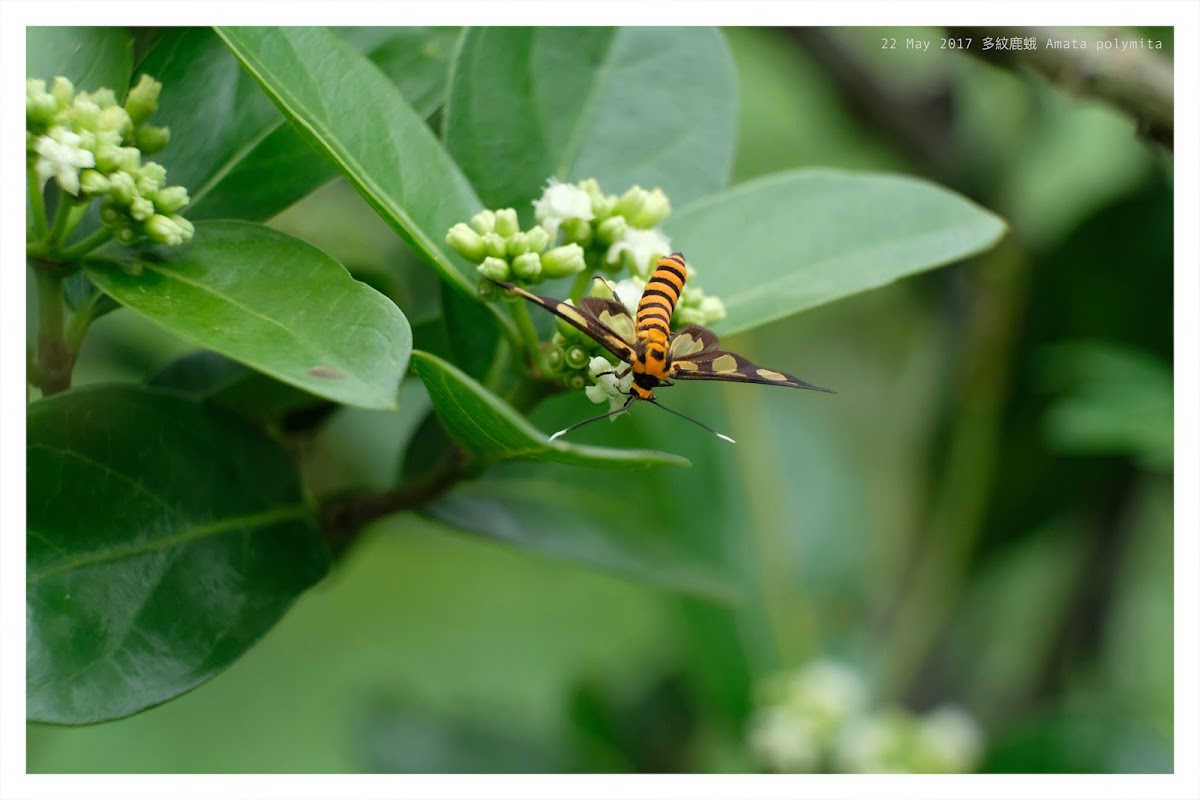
(656, 356)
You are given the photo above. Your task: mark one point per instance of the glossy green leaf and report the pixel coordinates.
(91, 58)
(217, 117)
(492, 430)
(233, 385)
(573, 517)
(473, 334)
(270, 301)
(164, 538)
(346, 109)
(417, 59)
(609, 520)
(249, 164)
(648, 106)
(776, 246)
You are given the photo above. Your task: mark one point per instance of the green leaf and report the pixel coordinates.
(91, 58)
(272, 302)
(345, 108)
(218, 118)
(249, 164)
(418, 61)
(235, 386)
(492, 430)
(648, 106)
(164, 538)
(776, 246)
(473, 334)
(576, 518)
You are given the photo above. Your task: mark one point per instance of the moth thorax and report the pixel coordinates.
(643, 386)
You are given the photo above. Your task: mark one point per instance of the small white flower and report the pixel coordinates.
(870, 744)
(640, 248)
(712, 309)
(61, 157)
(629, 291)
(783, 741)
(606, 386)
(830, 692)
(951, 739)
(560, 202)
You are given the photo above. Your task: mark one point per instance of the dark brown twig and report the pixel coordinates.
(1136, 80)
(343, 517)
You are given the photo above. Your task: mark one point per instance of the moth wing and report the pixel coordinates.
(581, 318)
(692, 341)
(611, 314)
(719, 365)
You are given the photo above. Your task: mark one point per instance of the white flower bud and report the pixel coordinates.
(506, 222)
(494, 268)
(484, 221)
(559, 202)
(563, 261)
(466, 242)
(527, 266)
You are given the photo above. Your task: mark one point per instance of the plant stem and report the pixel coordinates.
(343, 518)
(582, 281)
(54, 357)
(531, 344)
(1139, 82)
(38, 203)
(81, 319)
(33, 375)
(959, 504)
(60, 228)
(86, 245)
(78, 210)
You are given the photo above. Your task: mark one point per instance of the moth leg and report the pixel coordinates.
(618, 375)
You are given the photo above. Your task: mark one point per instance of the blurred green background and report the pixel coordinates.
(981, 517)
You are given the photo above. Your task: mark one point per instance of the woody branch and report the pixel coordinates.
(1138, 81)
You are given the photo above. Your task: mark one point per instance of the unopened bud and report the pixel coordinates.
(466, 242)
(170, 199)
(611, 230)
(484, 221)
(563, 261)
(538, 239)
(527, 267)
(494, 268)
(577, 230)
(152, 138)
(577, 357)
(142, 100)
(63, 92)
(506, 222)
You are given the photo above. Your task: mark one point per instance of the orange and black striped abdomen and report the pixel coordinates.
(654, 311)
(659, 298)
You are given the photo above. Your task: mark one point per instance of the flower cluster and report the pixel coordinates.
(92, 147)
(819, 718)
(581, 231)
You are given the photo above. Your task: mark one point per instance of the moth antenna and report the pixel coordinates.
(612, 413)
(696, 421)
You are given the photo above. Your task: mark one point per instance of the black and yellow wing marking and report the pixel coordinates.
(691, 341)
(612, 315)
(606, 321)
(695, 355)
